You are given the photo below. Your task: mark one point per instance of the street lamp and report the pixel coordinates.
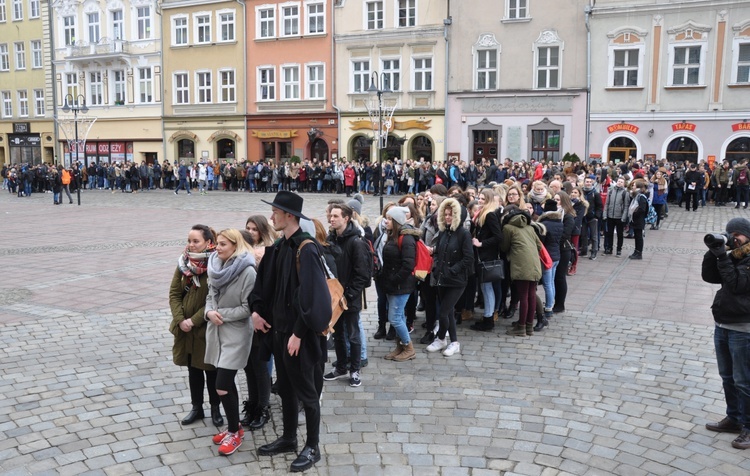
(78, 106)
(383, 113)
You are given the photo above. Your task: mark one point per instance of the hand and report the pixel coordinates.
(260, 324)
(186, 325)
(476, 242)
(293, 345)
(719, 251)
(215, 318)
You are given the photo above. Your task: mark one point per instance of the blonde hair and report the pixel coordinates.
(236, 238)
(489, 205)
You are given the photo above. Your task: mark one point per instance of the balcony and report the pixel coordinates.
(105, 48)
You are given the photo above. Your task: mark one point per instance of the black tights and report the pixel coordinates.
(448, 298)
(231, 400)
(196, 381)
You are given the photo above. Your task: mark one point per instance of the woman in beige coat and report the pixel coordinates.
(231, 277)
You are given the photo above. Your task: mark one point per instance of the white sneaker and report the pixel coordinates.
(437, 345)
(453, 348)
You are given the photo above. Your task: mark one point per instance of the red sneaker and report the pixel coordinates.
(231, 442)
(218, 438)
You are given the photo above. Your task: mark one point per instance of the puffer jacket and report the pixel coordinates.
(396, 275)
(453, 257)
(618, 200)
(732, 301)
(552, 240)
(521, 245)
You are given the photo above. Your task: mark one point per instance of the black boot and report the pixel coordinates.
(196, 413)
(262, 416)
(540, 324)
(380, 334)
(427, 338)
(636, 255)
(509, 312)
(485, 325)
(391, 333)
(249, 411)
(216, 417)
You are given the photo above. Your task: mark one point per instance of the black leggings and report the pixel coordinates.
(448, 298)
(230, 401)
(258, 379)
(561, 280)
(196, 381)
(429, 298)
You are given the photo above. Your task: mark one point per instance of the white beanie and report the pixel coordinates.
(398, 214)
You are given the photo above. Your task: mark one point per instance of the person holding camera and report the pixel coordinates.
(731, 310)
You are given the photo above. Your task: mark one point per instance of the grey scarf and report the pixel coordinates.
(222, 274)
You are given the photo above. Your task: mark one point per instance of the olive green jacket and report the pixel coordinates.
(188, 305)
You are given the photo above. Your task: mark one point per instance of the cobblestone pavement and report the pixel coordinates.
(622, 383)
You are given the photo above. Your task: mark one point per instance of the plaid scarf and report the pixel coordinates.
(192, 265)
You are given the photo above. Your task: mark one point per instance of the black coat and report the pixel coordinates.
(353, 264)
(732, 301)
(580, 212)
(453, 261)
(553, 239)
(489, 235)
(397, 273)
(638, 219)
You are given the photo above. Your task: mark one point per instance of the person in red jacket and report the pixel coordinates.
(349, 176)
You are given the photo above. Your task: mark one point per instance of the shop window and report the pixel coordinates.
(421, 147)
(361, 148)
(186, 149)
(621, 149)
(682, 149)
(738, 149)
(225, 147)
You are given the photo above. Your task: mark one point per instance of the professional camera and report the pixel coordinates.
(714, 240)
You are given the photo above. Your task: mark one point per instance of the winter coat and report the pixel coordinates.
(618, 200)
(349, 176)
(638, 219)
(489, 235)
(353, 263)
(732, 301)
(580, 209)
(552, 221)
(569, 222)
(453, 256)
(228, 345)
(188, 304)
(595, 204)
(521, 245)
(396, 275)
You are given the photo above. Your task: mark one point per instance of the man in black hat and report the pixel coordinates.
(296, 308)
(731, 311)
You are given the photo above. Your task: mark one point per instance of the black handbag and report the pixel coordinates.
(490, 271)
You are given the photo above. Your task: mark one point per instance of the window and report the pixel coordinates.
(360, 76)
(71, 85)
(374, 12)
(39, 102)
(486, 69)
(69, 29)
(96, 89)
(625, 68)
(7, 104)
(20, 54)
(203, 84)
(17, 10)
(36, 53)
(316, 19)
(316, 81)
(179, 31)
(143, 15)
(545, 145)
(34, 9)
(290, 82)
(266, 18)
(118, 82)
(290, 20)
(203, 29)
(266, 84)
(407, 12)
(181, 88)
(422, 74)
(3, 17)
(23, 103)
(226, 26)
(228, 86)
(742, 62)
(516, 9)
(4, 58)
(145, 85)
(686, 66)
(391, 74)
(118, 32)
(548, 67)
(94, 29)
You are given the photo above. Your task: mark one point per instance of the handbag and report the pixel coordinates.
(338, 301)
(544, 257)
(490, 271)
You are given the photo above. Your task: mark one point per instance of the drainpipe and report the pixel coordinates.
(55, 134)
(333, 80)
(446, 23)
(244, 68)
(588, 9)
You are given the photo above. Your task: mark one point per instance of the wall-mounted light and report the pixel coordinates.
(651, 133)
(463, 118)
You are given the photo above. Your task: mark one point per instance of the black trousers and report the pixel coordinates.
(196, 381)
(561, 280)
(296, 381)
(258, 378)
(612, 225)
(691, 196)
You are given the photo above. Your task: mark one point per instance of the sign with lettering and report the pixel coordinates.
(21, 127)
(24, 140)
(274, 134)
(741, 126)
(623, 126)
(518, 104)
(683, 126)
(103, 148)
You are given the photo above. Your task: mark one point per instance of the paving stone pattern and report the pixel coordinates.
(622, 383)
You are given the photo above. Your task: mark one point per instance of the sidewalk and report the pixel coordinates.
(622, 383)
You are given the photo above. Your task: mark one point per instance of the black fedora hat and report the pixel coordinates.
(288, 202)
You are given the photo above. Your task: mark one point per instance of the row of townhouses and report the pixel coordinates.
(149, 80)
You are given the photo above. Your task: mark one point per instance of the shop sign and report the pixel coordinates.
(103, 148)
(274, 134)
(623, 126)
(21, 127)
(683, 126)
(741, 126)
(24, 140)
(91, 148)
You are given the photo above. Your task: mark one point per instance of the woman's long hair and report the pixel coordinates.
(566, 203)
(234, 235)
(489, 205)
(267, 234)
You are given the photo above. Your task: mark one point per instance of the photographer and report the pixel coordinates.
(731, 310)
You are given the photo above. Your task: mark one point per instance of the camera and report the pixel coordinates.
(715, 240)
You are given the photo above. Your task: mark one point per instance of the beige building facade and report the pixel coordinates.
(26, 117)
(204, 101)
(398, 46)
(107, 57)
(670, 80)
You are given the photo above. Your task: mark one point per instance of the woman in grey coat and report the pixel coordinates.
(231, 277)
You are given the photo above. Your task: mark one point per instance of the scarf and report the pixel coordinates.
(742, 251)
(634, 204)
(537, 197)
(192, 265)
(222, 273)
(661, 184)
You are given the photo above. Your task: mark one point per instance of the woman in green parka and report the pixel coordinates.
(187, 300)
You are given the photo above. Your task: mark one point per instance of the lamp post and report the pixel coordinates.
(76, 105)
(378, 88)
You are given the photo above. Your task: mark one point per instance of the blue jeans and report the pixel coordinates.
(733, 358)
(548, 281)
(488, 291)
(362, 340)
(396, 316)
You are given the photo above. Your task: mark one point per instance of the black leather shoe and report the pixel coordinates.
(195, 414)
(380, 334)
(540, 325)
(281, 445)
(306, 459)
(216, 417)
(261, 418)
(727, 425)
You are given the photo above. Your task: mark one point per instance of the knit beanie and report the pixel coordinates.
(550, 205)
(398, 214)
(355, 205)
(739, 225)
(358, 197)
